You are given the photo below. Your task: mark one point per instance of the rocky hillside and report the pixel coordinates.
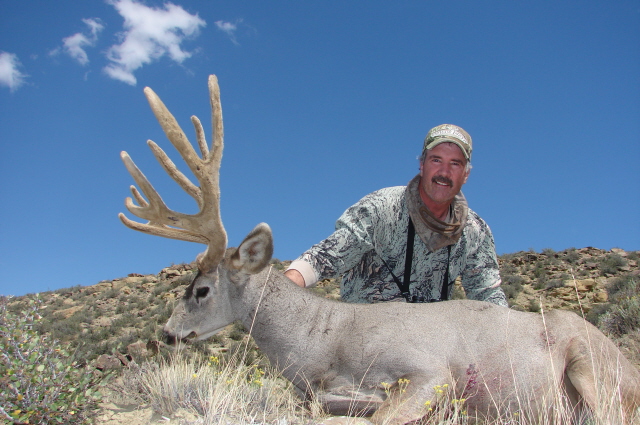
(120, 319)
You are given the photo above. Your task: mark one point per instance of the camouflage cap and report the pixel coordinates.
(448, 133)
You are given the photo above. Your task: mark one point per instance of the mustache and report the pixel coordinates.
(442, 179)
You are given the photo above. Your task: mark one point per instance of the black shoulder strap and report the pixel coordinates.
(404, 285)
(408, 260)
(444, 294)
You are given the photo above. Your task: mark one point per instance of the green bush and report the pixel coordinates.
(553, 283)
(238, 332)
(622, 318)
(572, 256)
(624, 287)
(534, 305)
(549, 252)
(184, 279)
(622, 315)
(42, 383)
(512, 286)
(611, 262)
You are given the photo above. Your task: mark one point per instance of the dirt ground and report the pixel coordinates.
(113, 414)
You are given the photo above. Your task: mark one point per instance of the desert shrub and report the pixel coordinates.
(65, 330)
(56, 304)
(42, 381)
(277, 264)
(109, 293)
(151, 299)
(553, 283)
(124, 340)
(158, 290)
(141, 305)
(161, 312)
(147, 333)
(622, 315)
(610, 263)
(184, 279)
(539, 271)
(622, 318)
(572, 256)
(624, 287)
(320, 290)
(593, 316)
(512, 286)
(458, 293)
(549, 252)
(238, 332)
(508, 268)
(127, 319)
(534, 305)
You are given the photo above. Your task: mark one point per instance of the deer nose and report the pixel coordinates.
(168, 338)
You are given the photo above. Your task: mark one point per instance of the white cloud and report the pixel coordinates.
(229, 28)
(10, 75)
(150, 33)
(75, 44)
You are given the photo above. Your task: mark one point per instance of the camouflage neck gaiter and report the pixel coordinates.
(433, 232)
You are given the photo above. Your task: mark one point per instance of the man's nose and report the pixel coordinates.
(445, 170)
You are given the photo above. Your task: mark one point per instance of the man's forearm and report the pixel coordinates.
(296, 277)
(301, 273)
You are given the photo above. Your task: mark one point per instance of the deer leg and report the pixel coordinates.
(408, 400)
(350, 401)
(580, 372)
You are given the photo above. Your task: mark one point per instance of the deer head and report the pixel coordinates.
(206, 305)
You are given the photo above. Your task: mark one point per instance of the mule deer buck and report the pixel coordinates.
(503, 362)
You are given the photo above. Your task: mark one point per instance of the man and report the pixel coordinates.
(371, 246)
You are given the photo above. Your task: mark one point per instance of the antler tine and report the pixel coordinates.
(216, 119)
(205, 226)
(173, 171)
(162, 221)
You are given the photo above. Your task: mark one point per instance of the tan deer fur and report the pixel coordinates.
(382, 359)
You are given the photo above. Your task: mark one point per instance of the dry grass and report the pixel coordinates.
(230, 392)
(219, 391)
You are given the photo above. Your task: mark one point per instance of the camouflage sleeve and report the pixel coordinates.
(481, 275)
(345, 247)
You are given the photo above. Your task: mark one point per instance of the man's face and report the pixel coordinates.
(443, 172)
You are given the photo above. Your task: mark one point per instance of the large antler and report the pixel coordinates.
(205, 226)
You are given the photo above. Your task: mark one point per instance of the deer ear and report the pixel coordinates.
(255, 251)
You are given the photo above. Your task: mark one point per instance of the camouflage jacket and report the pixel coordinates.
(376, 227)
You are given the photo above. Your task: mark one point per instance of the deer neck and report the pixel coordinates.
(286, 321)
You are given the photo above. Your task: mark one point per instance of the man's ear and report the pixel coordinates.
(255, 251)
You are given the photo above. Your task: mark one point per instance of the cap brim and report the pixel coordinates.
(439, 140)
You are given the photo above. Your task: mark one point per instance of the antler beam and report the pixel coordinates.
(205, 226)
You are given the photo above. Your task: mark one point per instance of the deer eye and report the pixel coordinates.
(202, 292)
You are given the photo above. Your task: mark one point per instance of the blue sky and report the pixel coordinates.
(323, 102)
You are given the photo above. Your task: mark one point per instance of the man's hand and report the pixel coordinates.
(296, 277)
